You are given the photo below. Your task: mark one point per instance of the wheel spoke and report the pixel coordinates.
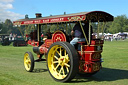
(66, 56)
(26, 61)
(28, 65)
(26, 58)
(65, 52)
(62, 49)
(56, 57)
(60, 69)
(67, 65)
(63, 70)
(55, 61)
(67, 69)
(57, 66)
(58, 53)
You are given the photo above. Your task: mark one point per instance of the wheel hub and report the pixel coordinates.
(63, 61)
(27, 61)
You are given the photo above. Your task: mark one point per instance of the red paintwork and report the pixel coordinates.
(50, 20)
(95, 42)
(48, 43)
(43, 49)
(59, 36)
(33, 43)
(90, 57)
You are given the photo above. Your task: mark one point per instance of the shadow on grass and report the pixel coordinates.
(106, 74)
(38, 70)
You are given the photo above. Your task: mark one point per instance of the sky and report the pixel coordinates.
(17, 9)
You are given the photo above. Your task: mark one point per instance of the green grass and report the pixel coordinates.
(114, 71)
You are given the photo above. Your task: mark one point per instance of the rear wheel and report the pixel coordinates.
(28, 61)
(62, 61)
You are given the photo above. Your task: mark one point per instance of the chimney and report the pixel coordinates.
(64, 13)
(26, 16)
(38, 15)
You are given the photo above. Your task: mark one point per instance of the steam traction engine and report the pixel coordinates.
(63, 60)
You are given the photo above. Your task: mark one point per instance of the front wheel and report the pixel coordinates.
(62, 61)
(28, 61)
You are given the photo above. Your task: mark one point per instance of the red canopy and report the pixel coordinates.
(93, 16)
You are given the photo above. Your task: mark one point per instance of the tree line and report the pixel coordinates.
(120, 24)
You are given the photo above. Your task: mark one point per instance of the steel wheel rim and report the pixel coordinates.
(27, 62)
(58, 62)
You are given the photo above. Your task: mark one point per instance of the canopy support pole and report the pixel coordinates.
(66, 28)
(98, 30)
(57, 26)
(103, 30)
(39, 33)
(84, 32)
(70, 25)
(89, 31)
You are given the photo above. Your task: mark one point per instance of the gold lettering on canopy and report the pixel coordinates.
(76, 18)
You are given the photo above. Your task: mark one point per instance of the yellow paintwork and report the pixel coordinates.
(58, 62)
(27, 62)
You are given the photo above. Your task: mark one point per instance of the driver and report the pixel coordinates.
(78, 34)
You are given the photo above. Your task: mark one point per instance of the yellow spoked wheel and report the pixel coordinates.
(28, 61)
(62, 61)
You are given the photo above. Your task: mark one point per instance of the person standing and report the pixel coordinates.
(10, 36)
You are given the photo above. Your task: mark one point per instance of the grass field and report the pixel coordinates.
(114, 71)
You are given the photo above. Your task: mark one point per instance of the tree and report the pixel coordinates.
(119, 24)
(0, 27)
(27, 29)
(9, 26)
(3, 28)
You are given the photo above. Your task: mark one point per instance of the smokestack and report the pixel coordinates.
(38, 15)
(64, 13)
